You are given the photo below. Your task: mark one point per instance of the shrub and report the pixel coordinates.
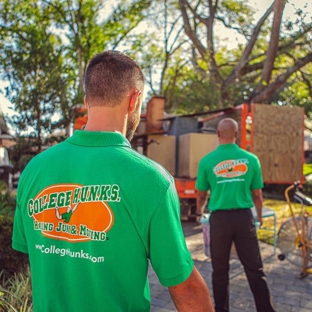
(7, 201)
(11, 261)
(15, 292)
(15, 289)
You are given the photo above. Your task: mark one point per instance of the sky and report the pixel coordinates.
(261, 6)
(232, 38)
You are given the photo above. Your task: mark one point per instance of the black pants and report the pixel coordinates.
(238, 226)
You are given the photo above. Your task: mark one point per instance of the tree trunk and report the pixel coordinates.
(245, 57)
(214, 69)
(279, 6)
(189, 31)
(81, 70)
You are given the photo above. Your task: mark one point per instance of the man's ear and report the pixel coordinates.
(85, 102)
(133, 101)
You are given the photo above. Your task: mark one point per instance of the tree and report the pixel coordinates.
(263, 74)
(161, 48)
(33, 63)
(45, 46)
(88, 30)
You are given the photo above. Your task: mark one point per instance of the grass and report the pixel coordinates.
(307, 169)
(283, 213)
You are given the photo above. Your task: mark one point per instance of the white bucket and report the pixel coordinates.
(204, 220)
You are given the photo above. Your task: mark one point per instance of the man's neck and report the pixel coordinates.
(106, 119)
(222, 141)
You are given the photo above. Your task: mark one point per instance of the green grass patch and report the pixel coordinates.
(307, 169)
(283, 213)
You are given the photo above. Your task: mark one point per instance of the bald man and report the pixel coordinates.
(233, 177)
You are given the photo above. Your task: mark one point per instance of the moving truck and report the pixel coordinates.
(273, 133)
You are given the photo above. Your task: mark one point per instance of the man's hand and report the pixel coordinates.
(259, 219)
(201, 201)
(258, 200)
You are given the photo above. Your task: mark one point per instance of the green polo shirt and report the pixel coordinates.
(230, 173)
(127, 215)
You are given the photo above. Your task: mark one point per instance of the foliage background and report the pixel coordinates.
(200, 55)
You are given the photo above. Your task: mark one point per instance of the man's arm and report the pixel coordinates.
(57, 213)
(192, 295)
(258, 200)
(201, 202)
(75, 207)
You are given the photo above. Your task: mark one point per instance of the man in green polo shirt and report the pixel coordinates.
(233, 177)
(95, 257)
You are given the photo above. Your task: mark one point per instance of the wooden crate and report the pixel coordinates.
(192, 147)
(162, 149)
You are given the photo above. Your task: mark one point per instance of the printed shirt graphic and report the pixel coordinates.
(231, 168)
(73, 212)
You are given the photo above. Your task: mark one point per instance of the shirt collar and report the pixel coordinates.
(98, 138)
(226, 146)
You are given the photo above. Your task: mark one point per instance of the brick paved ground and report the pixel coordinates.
(290, 294)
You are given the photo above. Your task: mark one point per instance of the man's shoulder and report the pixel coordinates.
(147, 165)
(210, 155)
(208, 159)
(47, 153)
(43, 158)
(249, 154)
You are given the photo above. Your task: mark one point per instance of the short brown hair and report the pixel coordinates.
(109, 76)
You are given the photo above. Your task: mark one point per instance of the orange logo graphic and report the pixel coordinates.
(74, 212)
(231, 168)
